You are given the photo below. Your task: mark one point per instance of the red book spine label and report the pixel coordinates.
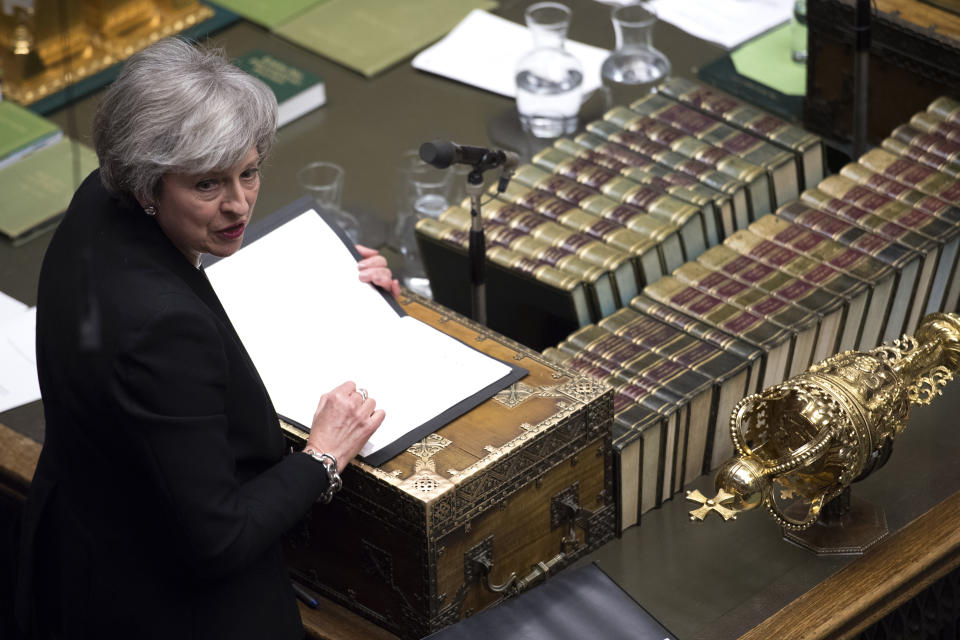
(622, 213)
(741, 322)
(576, 241)
(741, 143)
(696, 355)
(757, 272)
(738, 264)
(795, 289)
(768, 306)
(687, 119)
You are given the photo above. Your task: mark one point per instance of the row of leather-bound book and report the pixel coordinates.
(689, 251)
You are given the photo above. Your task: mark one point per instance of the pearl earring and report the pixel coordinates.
(150, 210)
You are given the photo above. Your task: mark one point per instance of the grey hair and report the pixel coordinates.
(178, 108)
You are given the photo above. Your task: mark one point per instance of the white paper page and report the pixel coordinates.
(10, 307)
(309, 325)
(18, 375)
(727, 23)
(467, 55)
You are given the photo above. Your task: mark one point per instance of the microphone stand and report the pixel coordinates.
(442, 154)
(477, 252)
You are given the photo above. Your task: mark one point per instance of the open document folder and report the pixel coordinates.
(309, 324)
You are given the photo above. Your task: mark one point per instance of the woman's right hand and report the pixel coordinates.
(343, 422)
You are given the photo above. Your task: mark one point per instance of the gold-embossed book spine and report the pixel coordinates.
(664, 180)
(780, 165)
(806, 147)
(606, 137)
(753, 176)
(921, 155)
(687, 218)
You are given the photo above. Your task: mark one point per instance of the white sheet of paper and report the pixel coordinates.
(18, 375)
(727, 23)
(465, 54)
(10, 306)
(309, 324)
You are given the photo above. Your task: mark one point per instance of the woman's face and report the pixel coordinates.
(207, 213)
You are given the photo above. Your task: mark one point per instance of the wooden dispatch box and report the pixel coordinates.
(522, 484)
(914, 59)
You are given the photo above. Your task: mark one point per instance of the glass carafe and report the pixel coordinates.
(635, 66)
(549, 79)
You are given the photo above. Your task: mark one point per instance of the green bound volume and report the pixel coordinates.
(915, 198)
(370, 36)
(38, 188)
(884, 225)
(802, 323)
(647, 420)
(23, 131)
(729, 374)
(942, 231)
(697, 224)
(599, 281)
(646, 171)
(540, 190)
(907, 264)
(806, 147)
(752, 175)
(718, 447)
(298, 91)
(780, 165)
(809, 294)
(527, 300)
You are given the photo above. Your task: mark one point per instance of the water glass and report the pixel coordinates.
(549, 80)
(323, 181)
(423, 191)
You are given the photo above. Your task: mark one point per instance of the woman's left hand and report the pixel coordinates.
(374, 269)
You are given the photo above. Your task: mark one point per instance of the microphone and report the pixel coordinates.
(443, 153)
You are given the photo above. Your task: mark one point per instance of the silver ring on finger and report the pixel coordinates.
(363, 394)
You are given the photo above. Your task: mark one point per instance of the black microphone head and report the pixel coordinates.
(439, 153)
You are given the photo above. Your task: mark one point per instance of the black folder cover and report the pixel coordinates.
(573, 605)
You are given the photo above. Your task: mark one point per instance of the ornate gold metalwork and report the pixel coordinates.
(711, 504)
(48, 45)
(814, 434)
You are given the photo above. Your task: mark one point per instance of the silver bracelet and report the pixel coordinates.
(334, 482)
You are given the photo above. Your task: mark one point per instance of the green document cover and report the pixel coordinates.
(268, 13)
(22, 130)
(297, 90)
(369, 36)
(766, 59)
(38, 188)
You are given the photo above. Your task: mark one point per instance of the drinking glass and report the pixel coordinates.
(549, 79)
(323, 181)
(423, 191)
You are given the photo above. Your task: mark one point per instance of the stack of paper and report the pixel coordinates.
(465, 54)
(18, 375)
(727, 23)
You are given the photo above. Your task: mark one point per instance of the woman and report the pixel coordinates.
(163, 487)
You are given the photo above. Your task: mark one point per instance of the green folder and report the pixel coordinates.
(37, 188)
(369, 36)
(268, 13)
(766, 59)
(21, 130)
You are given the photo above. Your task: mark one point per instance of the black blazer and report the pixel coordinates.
(163, 488)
